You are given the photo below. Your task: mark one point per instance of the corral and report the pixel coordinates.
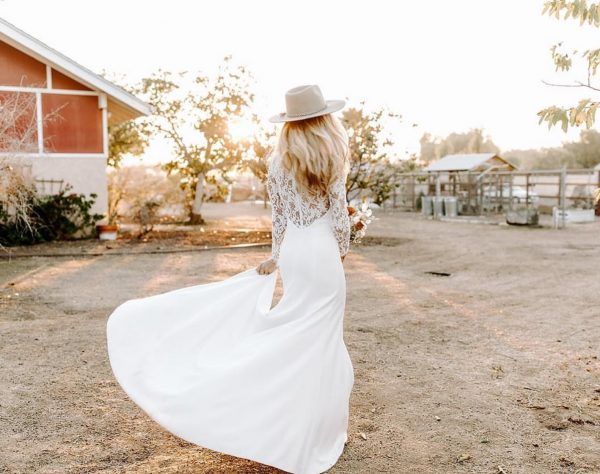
(494, 187)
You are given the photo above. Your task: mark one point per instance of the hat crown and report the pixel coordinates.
(304, 100)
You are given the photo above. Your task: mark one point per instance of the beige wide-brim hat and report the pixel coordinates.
(305, 102)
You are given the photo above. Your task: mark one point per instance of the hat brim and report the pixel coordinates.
(332, 106)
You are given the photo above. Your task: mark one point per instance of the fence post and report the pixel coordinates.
(563, 196)
(438, 194)
(469, 193)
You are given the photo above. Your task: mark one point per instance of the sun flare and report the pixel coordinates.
(241, 128)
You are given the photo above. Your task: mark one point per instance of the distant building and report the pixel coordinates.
(469, 178)
(73, 148)
(471, 162)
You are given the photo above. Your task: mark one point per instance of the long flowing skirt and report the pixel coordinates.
(217, 366)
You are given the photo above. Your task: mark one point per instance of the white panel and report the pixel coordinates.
(84, 173)
(40, 121)
(105, 137)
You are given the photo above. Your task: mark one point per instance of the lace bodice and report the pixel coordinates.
(289, 204)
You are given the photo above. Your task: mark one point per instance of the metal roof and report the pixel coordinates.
(44, 53)
(464, 162)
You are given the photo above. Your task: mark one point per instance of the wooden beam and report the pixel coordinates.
(103, 100)
(47, 90)
(40, 121)
(48, 76)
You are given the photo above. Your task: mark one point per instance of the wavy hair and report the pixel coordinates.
(314, 151)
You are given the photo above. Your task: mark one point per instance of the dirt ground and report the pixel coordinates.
(492, 369)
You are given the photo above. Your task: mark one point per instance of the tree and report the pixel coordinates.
(125, 138)
(584, 113)
(136, 192)
(429, 148)
(582, 154)
(473, 141)
(196, 125)
(128, 137)
(260, 149)
(586, 151)
(539, 159)
(369, 152)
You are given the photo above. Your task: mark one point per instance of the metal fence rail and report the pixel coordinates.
(490, 192)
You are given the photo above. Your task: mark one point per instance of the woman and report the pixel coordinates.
(215, 364)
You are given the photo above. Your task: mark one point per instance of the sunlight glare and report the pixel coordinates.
(241, 129)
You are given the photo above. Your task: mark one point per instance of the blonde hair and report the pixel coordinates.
(315, 151)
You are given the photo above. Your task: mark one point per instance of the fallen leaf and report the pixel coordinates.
(497, 372)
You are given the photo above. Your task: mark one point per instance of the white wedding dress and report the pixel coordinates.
(217, 366)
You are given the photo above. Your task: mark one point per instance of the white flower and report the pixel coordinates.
(364, 216)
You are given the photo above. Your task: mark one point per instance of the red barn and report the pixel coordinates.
(67, 110)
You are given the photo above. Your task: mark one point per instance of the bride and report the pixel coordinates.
(215, 364)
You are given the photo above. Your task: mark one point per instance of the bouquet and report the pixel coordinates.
(359, 220)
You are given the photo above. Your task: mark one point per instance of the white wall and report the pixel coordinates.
(86, 174)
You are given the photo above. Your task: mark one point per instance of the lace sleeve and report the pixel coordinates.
(339, 213)
(279, 221)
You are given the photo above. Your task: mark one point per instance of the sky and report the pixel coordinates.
(447, 66)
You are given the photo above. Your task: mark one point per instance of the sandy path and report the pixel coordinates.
(495, 367)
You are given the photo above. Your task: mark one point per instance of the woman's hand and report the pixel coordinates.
(267, 267)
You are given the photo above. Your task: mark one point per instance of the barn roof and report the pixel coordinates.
(467, 162)
(122, 104)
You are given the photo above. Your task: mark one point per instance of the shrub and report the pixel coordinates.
(65, 215)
